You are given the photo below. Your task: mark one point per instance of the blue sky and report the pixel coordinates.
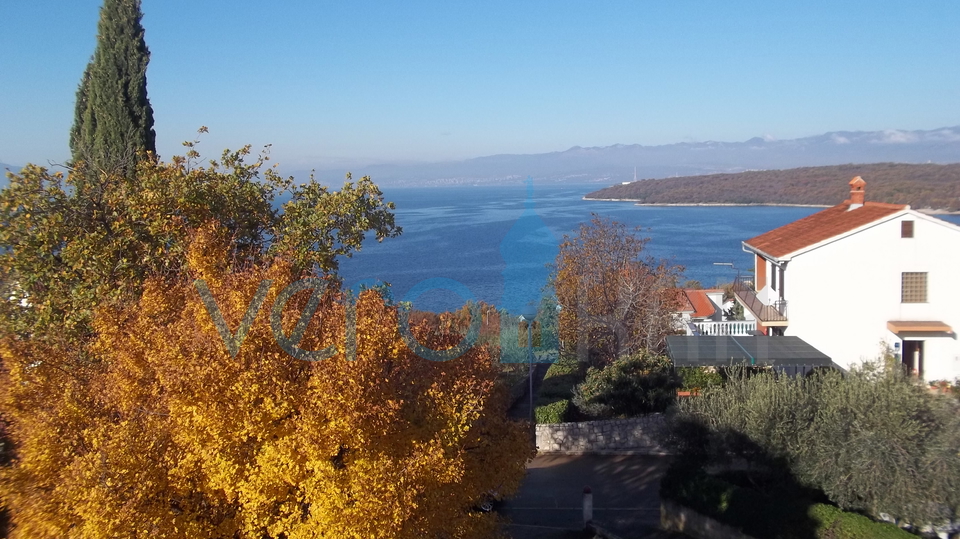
(333, 83)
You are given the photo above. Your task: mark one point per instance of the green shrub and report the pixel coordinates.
(833, 523)
(699, 378)
(632, 385)
(742, 508)
(766, 516)
(555, 412)
(559, 387)
(559, 381)
(870, 441)
(553, 399)
(564, 366)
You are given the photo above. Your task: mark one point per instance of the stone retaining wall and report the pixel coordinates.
(646, 434)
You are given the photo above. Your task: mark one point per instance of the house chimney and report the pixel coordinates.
(856, 192)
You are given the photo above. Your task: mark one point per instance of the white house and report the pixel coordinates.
(857, 274)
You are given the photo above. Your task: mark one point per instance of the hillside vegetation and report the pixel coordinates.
(921, 186)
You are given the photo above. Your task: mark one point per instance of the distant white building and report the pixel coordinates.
(701, 313)
(857, 274)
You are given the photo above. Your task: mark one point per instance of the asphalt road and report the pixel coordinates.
(625, 489)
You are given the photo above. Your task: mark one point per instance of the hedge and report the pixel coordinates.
(633, 385)
(555, 412)
(835, 523)
(765, 516)
(699, 378)
(553, 400)
(564, 366)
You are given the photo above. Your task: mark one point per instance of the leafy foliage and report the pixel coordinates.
(699, 378)
(167, 435)
(69, 244)
(921, 186)
(834, 523)
(632, 385)
(560, 378)
(769, 515)
(613, 302)
(553, 399)
(559, 411)
(511, 340)
(113, 121)
(872, 441)
(735, 312)
(318, 225)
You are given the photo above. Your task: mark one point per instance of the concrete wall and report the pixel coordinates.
(842, 294)
(645, 435)
(677, 518)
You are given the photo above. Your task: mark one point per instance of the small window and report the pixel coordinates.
(913, 287)
(906, 229)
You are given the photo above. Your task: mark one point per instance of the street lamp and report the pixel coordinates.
(730, 264)
(528, 316)
(559, 338)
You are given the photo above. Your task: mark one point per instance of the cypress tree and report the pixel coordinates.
(113, 119)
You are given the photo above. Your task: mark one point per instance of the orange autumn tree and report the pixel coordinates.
(166, 435)
(615, 301)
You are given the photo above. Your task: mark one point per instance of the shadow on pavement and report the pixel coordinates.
(625, 489)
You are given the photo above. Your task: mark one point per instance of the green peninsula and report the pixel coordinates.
(926, 186)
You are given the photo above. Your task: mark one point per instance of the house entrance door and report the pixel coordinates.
(913, 357)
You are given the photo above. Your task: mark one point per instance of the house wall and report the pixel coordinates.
(717, 299)
(841, 295)
(760, 271)
(760, 266)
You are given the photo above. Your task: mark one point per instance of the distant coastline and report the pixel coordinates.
(936, 211)
(931, 188)
(693, 204)
(927, 211)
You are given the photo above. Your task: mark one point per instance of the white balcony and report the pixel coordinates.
(728, 328)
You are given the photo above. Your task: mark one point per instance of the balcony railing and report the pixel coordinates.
(743, 287)
(730, 327)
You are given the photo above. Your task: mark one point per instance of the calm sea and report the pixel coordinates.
(463, 234)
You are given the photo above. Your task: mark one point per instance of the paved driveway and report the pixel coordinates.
(625, 496)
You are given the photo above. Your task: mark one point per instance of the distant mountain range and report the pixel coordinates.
(614, 164)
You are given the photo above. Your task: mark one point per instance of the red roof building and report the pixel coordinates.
(701, 304)
(857, 274)
(701, 313)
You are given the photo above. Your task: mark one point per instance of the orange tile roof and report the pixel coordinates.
(820, 226)
(702, 306)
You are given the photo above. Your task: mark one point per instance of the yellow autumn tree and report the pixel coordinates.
(158, 431)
